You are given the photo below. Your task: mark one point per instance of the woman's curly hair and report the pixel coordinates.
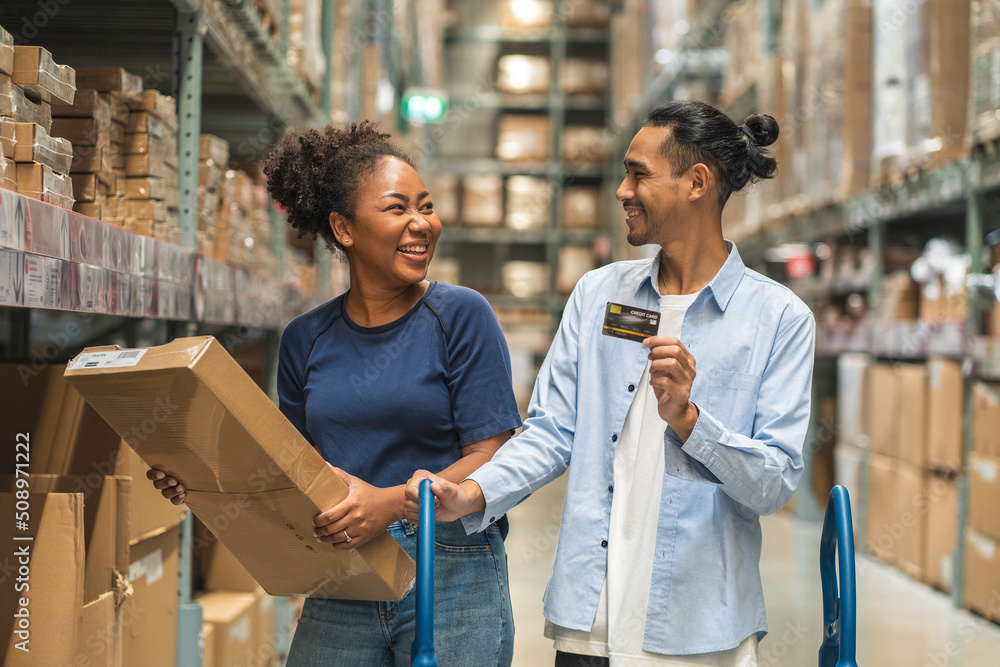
(313, 174)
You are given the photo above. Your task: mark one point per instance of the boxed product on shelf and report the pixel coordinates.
(883, 405)
(211, 147)
(586, 13)
(526, 14)
(88, 188)
(907, 527)
(147, 164)
(159, 105)
(586, 144)
(54, 601)
(837, 142)
(14, 105)
(6, 52)
(525, 279)
(523, 138)
(580, 206)
(145, 187)
(910, 430)
(852, 397)
(921, 87)
(984, 97)
(574, 261)
(744, 35)
(40, 76)
(982, 574)
(529, 202)
(900, 297)
(111, 79)
(270, 472)
(88, 103)
(33, 144)
(444, 194)
(305, 44)
(986, 418)
(583, 76)
(208, 645)
(482, 200)
(628, 64)
(38, 181)
(984, 494)
(8, 173)
(236, 626)
(523, 74)
(942, 531)
(83, 131)
(146, 122)
(881, 507)
(8, 137)
(945, 423)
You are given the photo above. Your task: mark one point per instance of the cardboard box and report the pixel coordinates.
(526, 14)
(482, 200)
(39, 182)
(580, 206)
(984, 494)
(945, 414)
(219, 568)
(86, 187)
(83, 131)
(99, 643)
(8, 173)
(160, 105)
(118, 105)
(525, 279)
(152, 514)
(8, 137)
(54, 600)
(248, 471)
(88, 103)
(6, 52)
(108, 79)
(151, 210)
(267, 640)
(211, 147)
(523, 74)
(529, 202)
(35, 145)
(881, 506)
(91, 209)
(586, 144)
(91, 160)
(39, 75)
(148, 143)
(909, 526)
(852, 374)
(982, 574)
(145, 122)
(574, 261)
(942, 532)
(149, 623)
(234, 617)
(149, 165)
(145, 188)
(584, 76)
(208, 647)
(910, 430)
(882, 381)
(17, 107)
(986, 418)
(523, 138)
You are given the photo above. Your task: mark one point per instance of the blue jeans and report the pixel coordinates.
(473, 621)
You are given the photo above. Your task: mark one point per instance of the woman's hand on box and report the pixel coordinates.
(360, 517)
(172, 488)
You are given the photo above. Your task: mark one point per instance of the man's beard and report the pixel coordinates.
(642, 235)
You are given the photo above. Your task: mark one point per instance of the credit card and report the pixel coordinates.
(629, 322)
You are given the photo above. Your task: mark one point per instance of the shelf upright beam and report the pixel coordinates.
(188, 56)
(974, 246)
(557, 121)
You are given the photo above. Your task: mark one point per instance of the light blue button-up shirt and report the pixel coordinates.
(752, 340)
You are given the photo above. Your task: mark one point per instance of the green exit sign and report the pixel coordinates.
(424, 105)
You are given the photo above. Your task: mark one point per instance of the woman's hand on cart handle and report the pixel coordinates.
(451, 501)
(172, 488)
(360, 517)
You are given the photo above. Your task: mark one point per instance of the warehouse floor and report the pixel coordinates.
(900, 622)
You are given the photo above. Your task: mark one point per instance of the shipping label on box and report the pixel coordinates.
(248, 471)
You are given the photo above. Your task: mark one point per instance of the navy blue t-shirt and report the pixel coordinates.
(382, 402)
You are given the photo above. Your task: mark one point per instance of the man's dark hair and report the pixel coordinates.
(699, 132)
(313, 175)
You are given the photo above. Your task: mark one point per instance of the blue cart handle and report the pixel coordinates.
(836, 548)
(423, 644)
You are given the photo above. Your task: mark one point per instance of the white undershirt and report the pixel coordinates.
(635, 512)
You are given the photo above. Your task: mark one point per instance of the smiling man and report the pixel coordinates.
(678, 387)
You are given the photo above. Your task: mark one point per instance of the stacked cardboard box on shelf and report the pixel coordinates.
(522, 15)
(984, 96)
(151, 195)
(213, 161)
(920, 86)
(580, 206)
(529, 202)
(586, 145)
(744, 36)
(523, 74)
(982, 538)
(88, 122)
(523, 138)
(583, 76)
(482, 200)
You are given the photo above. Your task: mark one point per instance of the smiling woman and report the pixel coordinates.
(396, 375)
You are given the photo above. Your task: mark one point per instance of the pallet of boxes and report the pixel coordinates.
(33, 162)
